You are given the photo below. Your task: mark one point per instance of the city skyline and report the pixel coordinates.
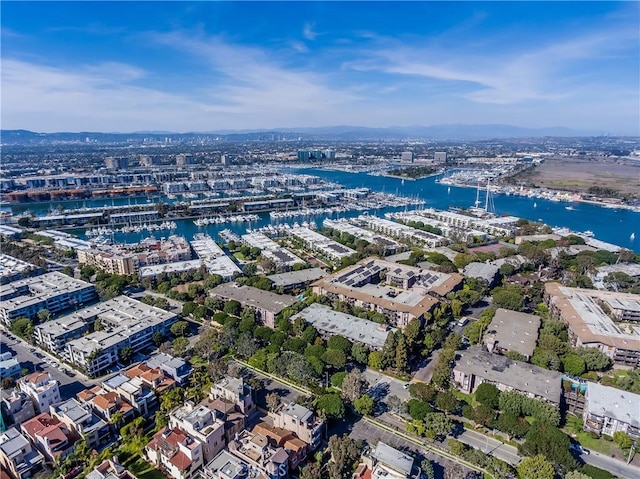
(200, 66)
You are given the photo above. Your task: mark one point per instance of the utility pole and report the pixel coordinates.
(630, 453)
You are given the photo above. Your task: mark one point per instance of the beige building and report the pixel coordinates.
(300, 421)
(593, 320)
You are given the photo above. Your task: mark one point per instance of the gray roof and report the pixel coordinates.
(393, 458)
(250, 296)
(481, 270)
(297, 411)
(157, 360)
(516, 375)
(324, 319)
(295, 277)
(614, 403)
(228, 464)
(514, 331)
(11, 441)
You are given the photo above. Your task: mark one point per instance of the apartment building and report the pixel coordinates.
(107, 404)
(282, 257)
(50, 436)
(512, 331)
(476, 366)
(136, 391)
(400, 292)
(175, 453)
(402, 232)
(387, 245)
(271, 461)
(126, 322)
(200, 423)
(9, 366)
(267, 305)
(300, 421)
(42, 388)
(235, 391)
(594, 319)
(226, 466)
(321, 244)
(19, 406)
(608, 410)
(17, 457)
(54, 292)
(13, 269)
(83, 421)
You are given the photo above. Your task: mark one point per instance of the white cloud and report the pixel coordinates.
(308, 31)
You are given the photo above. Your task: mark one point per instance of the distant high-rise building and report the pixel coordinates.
(224, 160)
(407, 156)
(183, 159)
(146, 160)
(440, 157)
(304, 155)
(329, 154)
(116, 163)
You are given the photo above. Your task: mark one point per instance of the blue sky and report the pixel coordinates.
(205, 66)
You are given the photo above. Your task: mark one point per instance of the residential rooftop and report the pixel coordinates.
(297, 277)
(514, 331)
(254, 297)
(614, 403)
(517, 375)
(326, 320)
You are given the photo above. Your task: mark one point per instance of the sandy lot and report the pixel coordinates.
(579, 174)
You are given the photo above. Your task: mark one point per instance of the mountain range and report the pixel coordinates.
(339, 133)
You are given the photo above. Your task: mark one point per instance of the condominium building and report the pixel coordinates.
(9, 366)
(267, 305)
(235, 391)
(282, 257)
(107, 404)
(300, 421)
(476, 366)
(512, 331)
(595, 319)
(126, 322)
(19, 406)
(321, 244)
(51, 437)
(13, 269)
(17, 457)
(402, 232)
(138, 392)
(386, 461)
(175, 453)
(83, 421)
(329, 323)
(387, 245)
(123, 322)
(54, 292)
(226, 466)
(608, 410)
(271, 461)
(42, 388)
(200, 423)
(400, 292)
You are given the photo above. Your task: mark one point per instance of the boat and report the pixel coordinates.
(448, 189)
(535, 205)
(632, 237)
(589, 233)
(570, 208)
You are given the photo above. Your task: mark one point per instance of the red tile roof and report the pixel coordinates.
(181, 461)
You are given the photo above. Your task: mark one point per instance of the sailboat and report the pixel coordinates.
(402, 182)
(535, 205)
(632, 237)
(448, 189)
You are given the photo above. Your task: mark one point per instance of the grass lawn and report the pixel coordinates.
(605, 447)
(143, 470)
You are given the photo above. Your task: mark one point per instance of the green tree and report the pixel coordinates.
(427, 469)
(233, 308)
(594, 359)
(573, 364)
(551, 442)
(23, 327)
(338, 378)
(438, 425)
(360, 353)
(536, 467)
(335, 358)
(344, 454)
(354, 385)
(488, 395)
(412, 332)
(446, 401)
(364, 405)
(509, 297)
(331, 406)
(422, 392)
(339, 343)
(576, 475)
(417, 409)
(622, 439)
(375, 360)
(179, 328)
(402, 355)
(313, 470)
(125, 355)
(44, 315)
(388, 353)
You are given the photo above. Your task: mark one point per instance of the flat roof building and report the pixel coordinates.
(400, 292)
(512, 331)
(387, 245)
(296, 279)
(282, 257)
(582, 310)
(476, 366)
(321, 244)
(13, 269)
(54, 292)
(329, 323)
(608, 410)
(17, 456)
(267, 305)
(126, 322)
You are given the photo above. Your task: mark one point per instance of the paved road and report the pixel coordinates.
(491, 446)
(372, 434)
(69, 386)
(615, 466)
(424, 373)
(386, 385)
(286, 394)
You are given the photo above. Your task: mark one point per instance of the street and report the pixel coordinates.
(615, 466)
(69, 386)
(377, 382)
(372, 434)
(491, 446)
